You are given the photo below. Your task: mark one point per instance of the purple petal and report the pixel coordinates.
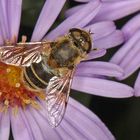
(126, 48)
(131, 55)
(101, 29)
(131, 62)
(73, 10)
(4, 126)
(102, 87)
(79, 19)
(47, 17)
(131, 27)
(83, 124)
(96, 54)
(42, 123)
(74, 131)
(112, 40)
(82, 0)
(14, 14)
(36, 130)
(113, 10)
(64, 134)
(20, 129)
(99, 68)
(4, 20)
(1, 38)
(137, 86)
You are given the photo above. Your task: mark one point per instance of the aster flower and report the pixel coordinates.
(30, 121)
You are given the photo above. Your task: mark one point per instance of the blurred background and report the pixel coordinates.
(122, 116)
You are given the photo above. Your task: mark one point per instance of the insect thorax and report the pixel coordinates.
(64, 54)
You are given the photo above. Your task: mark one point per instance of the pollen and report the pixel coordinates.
(13, 91)
(17, 85)
(8, 70)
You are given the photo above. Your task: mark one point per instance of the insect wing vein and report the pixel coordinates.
(21, 55)
(57, 97)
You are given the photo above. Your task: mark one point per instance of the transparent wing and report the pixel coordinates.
(21, 55)
(57, 97)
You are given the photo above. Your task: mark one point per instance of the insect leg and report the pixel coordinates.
(24, 38)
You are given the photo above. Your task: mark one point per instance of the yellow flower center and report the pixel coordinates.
(13, 91)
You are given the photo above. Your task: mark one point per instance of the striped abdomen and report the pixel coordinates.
(37, 76)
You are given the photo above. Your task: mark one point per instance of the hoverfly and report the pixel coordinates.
(50, 66)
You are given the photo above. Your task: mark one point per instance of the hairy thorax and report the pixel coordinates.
(63, 56)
